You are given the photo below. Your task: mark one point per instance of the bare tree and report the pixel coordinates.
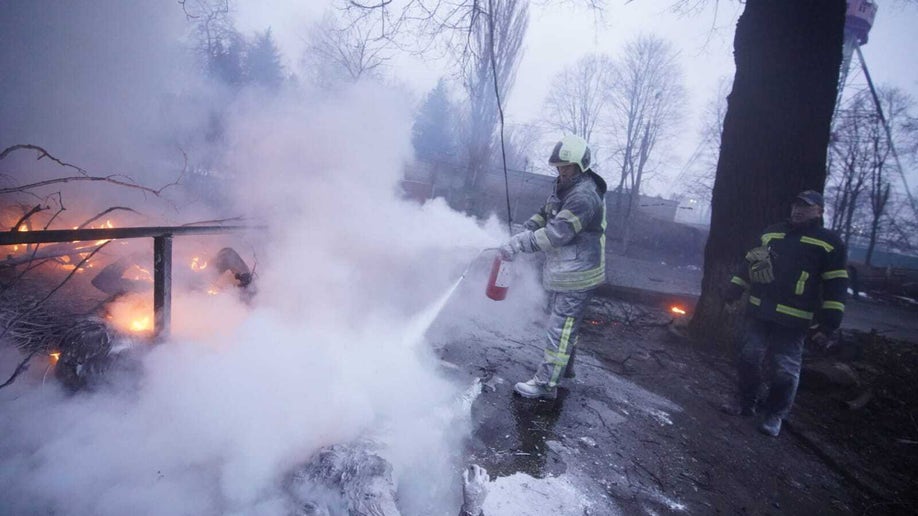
(522, 144)
(645, 99)
(422, 24)
(698, 175)
(489, 69)
(849, 163)
(861, 190)
(776, 133)
(576, 102)
(218, 42)
(896, 105)
(343, 50)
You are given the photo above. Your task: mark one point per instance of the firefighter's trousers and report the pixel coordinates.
(562, 331)
(784, 347)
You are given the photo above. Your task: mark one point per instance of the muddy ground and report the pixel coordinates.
(639, 430)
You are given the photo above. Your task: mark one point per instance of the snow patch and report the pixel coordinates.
(524, 495)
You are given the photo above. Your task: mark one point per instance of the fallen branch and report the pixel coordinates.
(25, 217)
(214, 221)
(24, 365)
(55, 289)
(104, 213)
(47, 252)
(60, 202)
(84, 175)
(42, 153)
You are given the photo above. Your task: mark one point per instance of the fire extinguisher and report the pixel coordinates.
(499, 282)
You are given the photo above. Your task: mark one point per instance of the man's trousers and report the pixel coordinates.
(784, 347)
(562, 331)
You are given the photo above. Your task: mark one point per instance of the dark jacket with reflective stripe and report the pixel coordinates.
(811, 277)
(571, 230)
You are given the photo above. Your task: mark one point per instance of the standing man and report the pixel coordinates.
(570, 230)
(796, 279)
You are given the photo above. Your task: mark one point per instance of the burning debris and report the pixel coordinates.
(78, 349)
(81, 348)
(81, 333)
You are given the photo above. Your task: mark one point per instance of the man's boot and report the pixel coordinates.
(535, 389)
(771, 425)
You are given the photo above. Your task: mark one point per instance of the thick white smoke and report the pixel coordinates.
(327, 352)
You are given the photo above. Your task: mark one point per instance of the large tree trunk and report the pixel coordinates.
(776, 132)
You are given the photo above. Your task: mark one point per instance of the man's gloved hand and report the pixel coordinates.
(513, 246)
(760, 268)
(474, 489)
(822, 339)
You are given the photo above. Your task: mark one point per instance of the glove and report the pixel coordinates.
(474, 489)
(514, 245)
(822, 339)
(760, 268)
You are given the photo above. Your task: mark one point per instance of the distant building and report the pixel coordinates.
(528, 192)
(695, 212)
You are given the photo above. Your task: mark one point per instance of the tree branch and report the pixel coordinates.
(84, 175)
(19, 369)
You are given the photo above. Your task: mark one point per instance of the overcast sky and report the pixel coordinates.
(560, 33)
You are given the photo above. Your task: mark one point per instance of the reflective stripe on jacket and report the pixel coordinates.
(811, 277)
(571, 230)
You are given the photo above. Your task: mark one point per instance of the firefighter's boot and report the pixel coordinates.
(535, 389)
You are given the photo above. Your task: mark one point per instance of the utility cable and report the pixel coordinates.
(500, 111)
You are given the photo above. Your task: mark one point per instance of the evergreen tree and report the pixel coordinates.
(433, 133)
(263, 62)
(225, 59)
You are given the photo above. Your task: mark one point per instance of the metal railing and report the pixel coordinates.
(162, 254)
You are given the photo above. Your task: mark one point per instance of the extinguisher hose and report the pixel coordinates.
(475, 259)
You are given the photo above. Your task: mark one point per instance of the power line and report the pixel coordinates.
(500, 111)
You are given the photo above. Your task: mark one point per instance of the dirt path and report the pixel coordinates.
(639, 430)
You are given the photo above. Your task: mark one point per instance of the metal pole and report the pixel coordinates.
(162, 285)
(892, 146)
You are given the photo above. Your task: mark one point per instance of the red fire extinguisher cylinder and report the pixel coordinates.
(499, 281)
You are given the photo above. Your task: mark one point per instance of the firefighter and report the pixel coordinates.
(796, 279)
(570, 230)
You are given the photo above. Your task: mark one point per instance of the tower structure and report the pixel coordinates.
(858, 22)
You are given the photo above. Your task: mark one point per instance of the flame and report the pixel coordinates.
(198, 264)
(677, 310)
(142, 324)
(213, 291)
(138, 273)
(22, 229)
(131, 314)
(54, 357)
(108, 225)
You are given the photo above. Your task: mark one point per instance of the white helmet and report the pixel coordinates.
(571, 149)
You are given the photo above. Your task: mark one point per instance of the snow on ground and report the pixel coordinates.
(524, 495)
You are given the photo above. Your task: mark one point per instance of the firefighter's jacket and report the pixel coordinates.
(571, 230)
(811, 278)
